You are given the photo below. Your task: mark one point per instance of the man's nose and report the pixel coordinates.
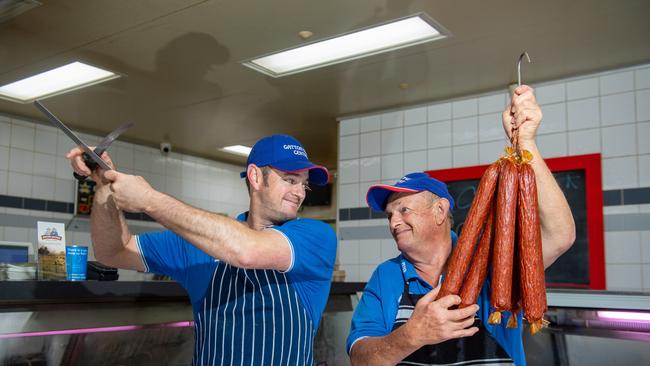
(299, 191)
(395, 221)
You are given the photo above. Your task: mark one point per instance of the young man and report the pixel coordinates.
(398, 320)
(258, 284)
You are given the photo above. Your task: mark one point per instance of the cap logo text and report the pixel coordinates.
(297, 149)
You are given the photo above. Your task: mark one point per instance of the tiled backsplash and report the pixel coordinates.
(606, 113)
(33, 170)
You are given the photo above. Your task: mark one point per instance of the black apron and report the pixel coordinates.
(479, 349)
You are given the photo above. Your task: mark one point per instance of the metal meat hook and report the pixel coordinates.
(519, 66)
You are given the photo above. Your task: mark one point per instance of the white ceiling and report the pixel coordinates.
(184, 84)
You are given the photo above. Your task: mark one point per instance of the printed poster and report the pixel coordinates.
(51, 250)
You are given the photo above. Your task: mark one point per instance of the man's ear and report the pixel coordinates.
(442, 208)
(254, 176)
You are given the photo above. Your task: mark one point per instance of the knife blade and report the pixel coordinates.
(55, 121)
(108, 140)
(101, 147)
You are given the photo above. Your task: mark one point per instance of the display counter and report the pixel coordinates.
(16, 293)
(150, 322)
(43, 292)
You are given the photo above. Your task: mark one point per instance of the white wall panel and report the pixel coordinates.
(619, 140)
(415, 161)
(439, 112)
(415, 138)
(370, 143)
(392, 141)
(349, 127)
(439, 134)
(583, 113)
(643, 105)
(617, 82)
(617, 109)
(584, 141)
(642, 78)
(582, 88)
(369, 123)
(465, 155)
(415, 116)
(464, 108)
(465, 130)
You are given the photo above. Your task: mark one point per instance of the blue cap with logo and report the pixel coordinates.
(377, 196)
(285, 153)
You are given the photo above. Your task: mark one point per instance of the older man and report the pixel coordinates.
(398, 320)
(258, 284)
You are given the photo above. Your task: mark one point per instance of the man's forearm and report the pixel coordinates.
(382, 351)
(108, 227)
(217, 235)
(556, 220)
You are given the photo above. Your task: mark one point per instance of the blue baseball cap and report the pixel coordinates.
(285, 153)
(377, 196)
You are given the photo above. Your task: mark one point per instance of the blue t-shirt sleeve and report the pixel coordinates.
(313, 253)
(313, 249)
(368, 318)
(167, 253)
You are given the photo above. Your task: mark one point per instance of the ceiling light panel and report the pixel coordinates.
(385, 37)
(63, 79)
(238, 149)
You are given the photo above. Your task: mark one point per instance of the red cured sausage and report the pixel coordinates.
(504, 239)
(531, 259)
(478, 212)
(516, 283)
(477, 271)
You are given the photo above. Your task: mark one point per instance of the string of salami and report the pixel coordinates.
(504, 220)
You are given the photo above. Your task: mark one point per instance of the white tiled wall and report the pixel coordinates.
(607, 113)
(32, 164)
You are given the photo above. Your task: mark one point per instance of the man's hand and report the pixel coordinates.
(80, 167)
(131, 193)
(433, 322)
(523, 114)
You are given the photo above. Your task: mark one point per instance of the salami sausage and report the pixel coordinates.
(477, 271)
(504, 238)
(516, 283)
(478, 212)
(531, 260)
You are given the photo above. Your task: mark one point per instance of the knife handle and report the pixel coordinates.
(90, 163)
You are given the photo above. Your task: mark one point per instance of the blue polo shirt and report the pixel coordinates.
(375, 314)
(251, 316)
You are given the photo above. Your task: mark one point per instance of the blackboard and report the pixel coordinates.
(572, 268)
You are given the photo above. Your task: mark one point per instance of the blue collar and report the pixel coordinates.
(410, 274)
(408, 270)
(242, 216)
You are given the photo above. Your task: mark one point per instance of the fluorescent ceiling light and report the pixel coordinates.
(385, 37)
(63, 79)
(238, 149)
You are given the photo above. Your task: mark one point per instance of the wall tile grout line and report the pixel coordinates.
(37, 204)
